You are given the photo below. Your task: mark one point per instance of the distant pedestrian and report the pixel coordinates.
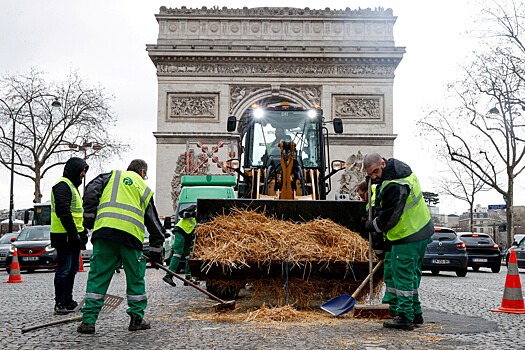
(68, 235)
(404, 216)
(118, 206)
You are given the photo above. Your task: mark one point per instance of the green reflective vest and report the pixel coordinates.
(187, 225)
(123, 204)
(77, 211)
(373, 196)
(415, 214)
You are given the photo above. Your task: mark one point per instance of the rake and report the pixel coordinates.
(111, 302)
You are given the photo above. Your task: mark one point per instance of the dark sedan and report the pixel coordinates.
(482, 251)
(446, 252)
(520, 253)
(33, 249)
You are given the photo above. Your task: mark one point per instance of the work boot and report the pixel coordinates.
(86, 328)
(399, 322)
(136, 323)
(418, 320)
(71, 306)
(60, 309)
(169, 280)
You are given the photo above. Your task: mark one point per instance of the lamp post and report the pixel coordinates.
(14, 116)
(84, 147)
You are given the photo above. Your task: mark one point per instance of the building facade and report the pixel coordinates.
(215, 62)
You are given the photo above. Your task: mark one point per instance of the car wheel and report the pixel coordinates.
(434, 272)
(461, 273)
(496, 268)
(475, 268)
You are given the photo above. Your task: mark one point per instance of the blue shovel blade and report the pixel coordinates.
(339, 305)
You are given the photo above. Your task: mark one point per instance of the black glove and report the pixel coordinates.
(369, 226)
(378, 243)
(83, 239)
(155, 257)
(73, 241)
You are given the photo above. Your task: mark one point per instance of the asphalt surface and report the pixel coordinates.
(456, 312)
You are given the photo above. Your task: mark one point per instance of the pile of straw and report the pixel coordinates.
(245, 238)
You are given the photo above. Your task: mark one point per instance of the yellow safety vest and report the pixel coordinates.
(123, 203)
(187, 225)
(415, 214)
(77, 211)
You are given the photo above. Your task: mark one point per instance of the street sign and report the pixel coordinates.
(497, 206)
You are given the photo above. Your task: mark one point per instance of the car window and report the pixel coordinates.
(476, 239)
(444, 236)
(34, 233)
(6, 239)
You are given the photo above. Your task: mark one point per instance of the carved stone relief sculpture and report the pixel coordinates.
(353, 174)
(202, 106)
(358, 107)
(238, 93)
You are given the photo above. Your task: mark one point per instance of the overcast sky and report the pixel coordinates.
(105, 41)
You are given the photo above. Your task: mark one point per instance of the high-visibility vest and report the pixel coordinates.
(123, 203)
(373, 196)
(187, 225)
(415, 214)
(77, 211)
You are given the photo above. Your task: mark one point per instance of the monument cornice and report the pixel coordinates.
(285, 12)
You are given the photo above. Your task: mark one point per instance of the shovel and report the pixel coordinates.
(110, 303)
(344, 303)
(221, 306)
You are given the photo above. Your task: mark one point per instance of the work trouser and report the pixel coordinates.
(390, 296)
(181, 245)
(406, 261)
(107, 256)
(68, 262)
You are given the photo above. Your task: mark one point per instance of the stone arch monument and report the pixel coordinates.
(216, 62)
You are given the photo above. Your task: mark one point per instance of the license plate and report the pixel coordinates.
(440, 261)
(479, 260)
(30, 258)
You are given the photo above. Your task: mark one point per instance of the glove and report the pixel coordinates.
(83, 239)
(369, 226)
(155, 257)
(73, 241)
(378, 243)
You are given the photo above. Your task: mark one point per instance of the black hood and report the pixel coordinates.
(395, 169)
(73, 168)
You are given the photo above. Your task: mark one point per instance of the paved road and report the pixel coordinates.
(456, 312)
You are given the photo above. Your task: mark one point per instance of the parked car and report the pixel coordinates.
(34, 249)
(520, 253)
(5, 244)
(482, 251)
(167, 251)
(446, 252)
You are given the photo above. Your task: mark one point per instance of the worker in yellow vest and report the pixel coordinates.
(68, 235)
(118, 206)
(401, 212)
(184, 238)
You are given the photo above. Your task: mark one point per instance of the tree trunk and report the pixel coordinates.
(38, 193)
(510, 215)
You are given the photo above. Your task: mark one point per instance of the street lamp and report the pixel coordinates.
(14, 116)
(84, 147)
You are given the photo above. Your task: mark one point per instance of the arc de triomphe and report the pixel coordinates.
(216, 62)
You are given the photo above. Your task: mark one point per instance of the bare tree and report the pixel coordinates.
(46, 122)
(461, 184)
(486, 132)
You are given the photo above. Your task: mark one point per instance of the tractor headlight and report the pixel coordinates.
(258, 113)
(312, 113)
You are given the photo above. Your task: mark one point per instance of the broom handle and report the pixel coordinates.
(42, 325)
(370, 264)
(361, 286)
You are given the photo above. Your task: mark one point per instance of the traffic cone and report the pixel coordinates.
(81, 264)
(14, 274)
(512, 296)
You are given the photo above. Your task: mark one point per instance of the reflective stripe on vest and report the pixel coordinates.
(77, 211)
(123, 204)
(415, 214)
(187, 225)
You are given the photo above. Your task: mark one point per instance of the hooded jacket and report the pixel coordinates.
(390, 202)
(63, 196)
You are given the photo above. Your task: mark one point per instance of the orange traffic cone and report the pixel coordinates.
(512, 296)
(81, 264)
(14, 274)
